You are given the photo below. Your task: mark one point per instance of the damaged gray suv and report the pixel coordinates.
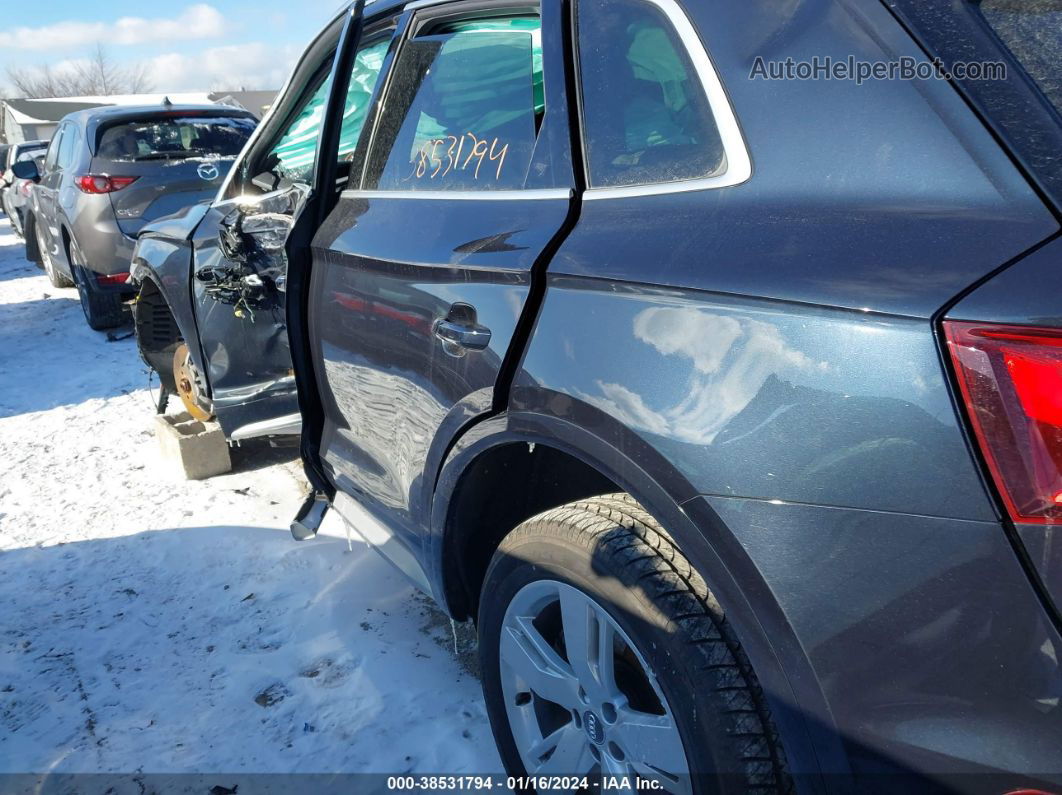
(110, 171)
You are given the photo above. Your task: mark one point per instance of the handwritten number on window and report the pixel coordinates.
(437, 157)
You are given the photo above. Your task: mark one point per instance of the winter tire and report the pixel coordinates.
(604, 653)
(102, 310)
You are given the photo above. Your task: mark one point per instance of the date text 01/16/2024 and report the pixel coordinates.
(519, 783)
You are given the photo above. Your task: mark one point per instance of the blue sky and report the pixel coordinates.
(185, 46)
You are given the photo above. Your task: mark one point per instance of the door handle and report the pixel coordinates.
(460, 328)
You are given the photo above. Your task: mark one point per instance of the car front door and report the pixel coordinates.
(422, 272)
(240, 260)
(47, 196)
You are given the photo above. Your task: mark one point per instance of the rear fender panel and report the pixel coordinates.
(796, 701)
(758, 399)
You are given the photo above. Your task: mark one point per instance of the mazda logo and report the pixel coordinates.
(208, 171)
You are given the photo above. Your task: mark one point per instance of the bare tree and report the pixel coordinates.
(137, 80)
(97, 75)
(40, 82)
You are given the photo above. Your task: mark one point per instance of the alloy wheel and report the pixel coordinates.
(579, 696)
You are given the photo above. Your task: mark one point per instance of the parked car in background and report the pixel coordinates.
(210, 314)
(736, 429)
(109, 172)
(16, 192)
(14, 153)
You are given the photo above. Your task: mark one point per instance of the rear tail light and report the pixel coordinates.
(1011, 381)
(99, 183)
(112, 278)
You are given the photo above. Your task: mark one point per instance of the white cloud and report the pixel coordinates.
(730, 357)
(700, 336)
(252, 66)
(200, 21)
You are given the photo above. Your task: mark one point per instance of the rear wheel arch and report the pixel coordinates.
(496, 453)
(68, 238)
(465, 533)
(483, 508)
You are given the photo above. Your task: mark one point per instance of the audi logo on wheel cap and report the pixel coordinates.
(594, 730)
(208, 171)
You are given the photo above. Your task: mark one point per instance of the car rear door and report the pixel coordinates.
(424, 269)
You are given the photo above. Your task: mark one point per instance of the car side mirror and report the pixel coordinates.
(26, 169)
(266, 182)
(230, 236)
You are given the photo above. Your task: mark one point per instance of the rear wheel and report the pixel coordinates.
(55, 276)
(604, 654)
(103, 310)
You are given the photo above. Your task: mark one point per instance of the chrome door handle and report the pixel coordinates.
(459, 327)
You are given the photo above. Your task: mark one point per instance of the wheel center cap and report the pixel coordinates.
(594, 728)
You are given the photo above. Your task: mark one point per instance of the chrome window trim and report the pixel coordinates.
(738, 160)
(465, 195)
(424, 4)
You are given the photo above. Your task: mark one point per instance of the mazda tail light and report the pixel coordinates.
(99, 183)
(1011, 382)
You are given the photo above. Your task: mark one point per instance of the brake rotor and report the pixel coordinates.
(190, 385)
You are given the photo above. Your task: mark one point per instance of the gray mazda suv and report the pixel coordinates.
(108, 172)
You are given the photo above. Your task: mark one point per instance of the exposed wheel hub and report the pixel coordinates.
(190, 385)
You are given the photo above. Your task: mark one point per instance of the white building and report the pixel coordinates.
(33, 119)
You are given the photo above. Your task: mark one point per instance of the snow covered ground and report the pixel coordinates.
(156, 625)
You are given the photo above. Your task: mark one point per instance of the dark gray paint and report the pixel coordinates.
(759, 366)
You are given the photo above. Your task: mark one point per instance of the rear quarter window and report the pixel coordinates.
(646, 115)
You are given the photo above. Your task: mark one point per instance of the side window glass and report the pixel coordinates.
(645, 112)
(464, 108)
(53, 148)
(293, 157)
(67, 153)
(368, 62)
